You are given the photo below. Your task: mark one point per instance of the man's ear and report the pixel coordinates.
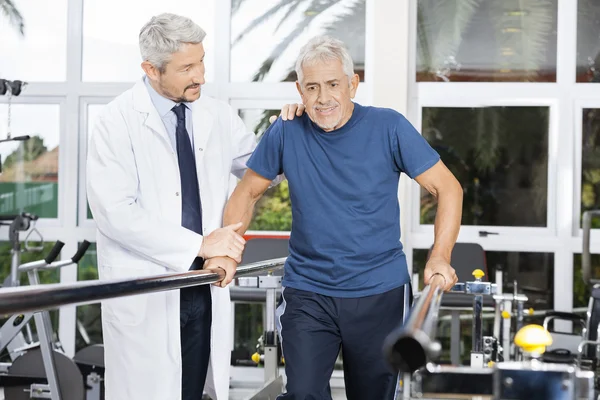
(150, 70)
(299, 88)
(354, 85)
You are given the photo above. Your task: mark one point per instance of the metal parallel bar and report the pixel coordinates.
(51, 296)
(410, 346)
(455, 337)
(477, 335)
(586, 257)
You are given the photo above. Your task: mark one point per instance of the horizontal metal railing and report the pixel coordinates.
(50, 296)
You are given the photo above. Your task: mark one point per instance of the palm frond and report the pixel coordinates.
(262, 18)
(525, 33)
(15, 18)
(317, 6)
(588, 48)
(442, 25)
(289, 12)
(235, 6)
(350, 25)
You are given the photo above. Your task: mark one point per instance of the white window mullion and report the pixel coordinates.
(479, 94)
(223, 49)
(68, 159)
(566, 195)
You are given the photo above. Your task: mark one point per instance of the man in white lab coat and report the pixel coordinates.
(158, 170)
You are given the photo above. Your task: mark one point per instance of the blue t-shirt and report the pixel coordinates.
(345, 237)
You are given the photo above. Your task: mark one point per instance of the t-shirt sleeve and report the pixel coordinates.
(266, 160)
(411, 152)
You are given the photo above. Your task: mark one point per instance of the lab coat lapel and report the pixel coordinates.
(203, 123)
(143, 103)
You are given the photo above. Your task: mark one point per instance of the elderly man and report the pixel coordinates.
(160, 161)
(346, 283)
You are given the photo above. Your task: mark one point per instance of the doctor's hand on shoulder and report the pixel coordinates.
(223, 242)
(289, 111)
(226, 264)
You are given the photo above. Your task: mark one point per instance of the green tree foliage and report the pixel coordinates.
(27, 151)
(274, 210)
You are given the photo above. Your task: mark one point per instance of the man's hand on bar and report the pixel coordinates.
(227, 264)
(439, 266)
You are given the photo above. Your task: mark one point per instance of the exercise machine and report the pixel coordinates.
(41, 369)
(10, 89)
(22, 222)
(268, 352)
(541, 364)
(412, 350)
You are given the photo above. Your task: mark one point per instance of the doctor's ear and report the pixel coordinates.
(150, 70)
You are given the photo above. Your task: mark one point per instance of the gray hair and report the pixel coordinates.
(324, 48)
(164, 34)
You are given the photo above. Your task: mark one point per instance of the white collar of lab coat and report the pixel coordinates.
(201, 115)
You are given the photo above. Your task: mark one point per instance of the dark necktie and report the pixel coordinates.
(191, 209)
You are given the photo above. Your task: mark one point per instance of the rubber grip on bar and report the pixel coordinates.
(54, 252)
(80, 251)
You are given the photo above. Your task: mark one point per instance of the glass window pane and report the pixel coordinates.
(266, 35)
(112, 55)
(29, 178)
(486, 41)
(588, 46)
(499, 155)
(248, 329)
(89, 324)
(581, 291)
(534, 273)
(273, 212)
(590, 162)
(25, 57)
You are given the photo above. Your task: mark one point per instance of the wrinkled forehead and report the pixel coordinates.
(321, 71)
(187, 54)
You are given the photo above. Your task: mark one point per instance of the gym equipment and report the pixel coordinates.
(541, 365)
(271, 353)
(46, 297)
(19, 223)
(412, 349)
(42, 370)
(477, 295)
(11, 88)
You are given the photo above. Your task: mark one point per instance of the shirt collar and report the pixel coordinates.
(162, 104)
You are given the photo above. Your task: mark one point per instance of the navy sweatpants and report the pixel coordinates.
(313, 328)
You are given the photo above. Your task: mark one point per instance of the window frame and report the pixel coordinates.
(561, 236)
(481, 102)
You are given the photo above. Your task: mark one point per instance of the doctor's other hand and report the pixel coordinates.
(289, 111)
(223, 242)
(439, 266)
(226, 264)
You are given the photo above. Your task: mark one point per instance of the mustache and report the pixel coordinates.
(327, 105)
(194, 86)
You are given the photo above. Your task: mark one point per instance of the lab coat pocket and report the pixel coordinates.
(127, 310)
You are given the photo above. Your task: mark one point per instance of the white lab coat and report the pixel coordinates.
(134, 189)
